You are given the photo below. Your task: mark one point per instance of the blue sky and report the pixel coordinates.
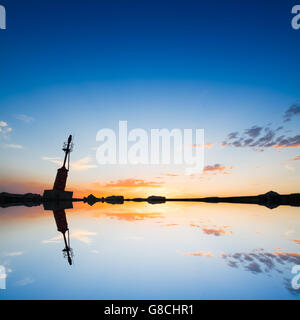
(79, 66)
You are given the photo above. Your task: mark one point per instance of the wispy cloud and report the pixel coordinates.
(24, 282)
(199, 254)
(260, 261)
(269, 138)
(216, 231)
(83, 164)
(25, 118)
(4, 129)
(83, 235)
(13, 254)
(217, 168)
(133, 183)
(79, 165)
(296, 158)
(293, 110)
(56, 239)
(13, 146)
(288, 167)
(55, 160)
(260, 137)
(3, 124)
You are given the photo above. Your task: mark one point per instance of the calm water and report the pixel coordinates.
(144, 251)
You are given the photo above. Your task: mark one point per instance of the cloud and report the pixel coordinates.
(53, 160)
(24, 118)
(170, 225)
(296, 158)
(268, 139)
(198, 253)
(253, 267)
(129, 183)
(13, 146)
(259, 261)
(258, 137)
(83, 235)
(290, 168)
(13, 254)
(56, 239)
(132, 216)
(287, 142)
(79, 165)
(216, 168)
(206, 145)
(24, 282)
(4, 129)
(3, 124)
(216, 231)
(232, 135)
(254, 131)
(293, 110)
(83, 164)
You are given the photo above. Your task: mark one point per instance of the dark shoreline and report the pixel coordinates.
(270, 199)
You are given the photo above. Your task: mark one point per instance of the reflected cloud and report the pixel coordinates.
(217, 168)
(296, 241)
(13, 254)
(127, 216)
(260, 261)
(133, 183)
(83, 235)
(53, 240)
(199, 253)
(216, 231)
(24, 282)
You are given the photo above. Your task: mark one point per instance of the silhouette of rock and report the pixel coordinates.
(11, 199)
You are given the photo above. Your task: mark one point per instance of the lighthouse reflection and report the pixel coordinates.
(58, 209)
(62, 226)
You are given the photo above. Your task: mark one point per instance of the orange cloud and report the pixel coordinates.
(135, 183)
(199, 253)
(295, 145)
(206, 145)
(217, 168)
(213, 231)
(296, 241)
(296, 158)
(124, 216)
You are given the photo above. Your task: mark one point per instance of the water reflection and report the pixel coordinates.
(141, 251)
(62, 226)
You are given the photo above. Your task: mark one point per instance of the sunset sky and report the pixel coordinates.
(229, 67)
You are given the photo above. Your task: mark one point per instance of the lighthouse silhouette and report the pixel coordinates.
(58, 192)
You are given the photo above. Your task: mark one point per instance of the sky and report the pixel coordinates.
(229, 67)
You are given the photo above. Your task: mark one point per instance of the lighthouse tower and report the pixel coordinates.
(58, 192)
